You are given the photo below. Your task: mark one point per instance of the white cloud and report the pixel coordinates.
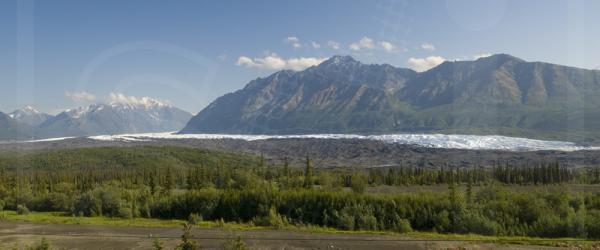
(333, 44)
(294, 41)
(387, 46)
(481, 55)
(80, 96)
(315, 45)
(424, 64)
(246, 61)
(428, 46)
(303, 62)
(121, 98)
(363, 43)
(271, 61)
(275, 62)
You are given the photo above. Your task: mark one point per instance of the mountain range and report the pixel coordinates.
(500, 94)
(146, 116)
(30, 116)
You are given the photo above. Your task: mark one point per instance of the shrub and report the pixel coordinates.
(478, 224)
(358, 184)
(358, 217)
(124, 212)
(44, 245)
(157, 244)
(194, 218)
(110, 198)
(22, 209)
(273, 219)
(346, 222)
(235, 244)
(366, 222)
(403, 226)
(220, 222)
(550, 226)
(592, 224)
(88, 205)
(441, 222)
(577, 224)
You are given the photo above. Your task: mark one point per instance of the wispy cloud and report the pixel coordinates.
(275, 62)
(428, 46)
(390, 47)
(315, 45)
(271, 61)
(334, 45)
(303, 62)
(387, 46)
(424, 64)
(294, 41)
(363, 43)
(222, 57)
(477, 56)
(81, 96)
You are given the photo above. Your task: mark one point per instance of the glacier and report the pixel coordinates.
(453, 141)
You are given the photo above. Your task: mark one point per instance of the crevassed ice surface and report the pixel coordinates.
(488, 142)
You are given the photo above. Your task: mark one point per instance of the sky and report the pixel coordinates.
(61, 54)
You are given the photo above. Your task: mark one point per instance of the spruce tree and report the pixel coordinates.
(186, 239)
(308, 173)
(169, 182)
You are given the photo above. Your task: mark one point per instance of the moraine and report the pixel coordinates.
(474, 142)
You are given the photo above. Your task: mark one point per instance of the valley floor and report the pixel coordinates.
(69, 236)
(331, 153)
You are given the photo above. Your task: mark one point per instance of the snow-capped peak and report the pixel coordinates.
(25, 111)
(30, 109)
(140, 115)
(29, 115)
(78, 112)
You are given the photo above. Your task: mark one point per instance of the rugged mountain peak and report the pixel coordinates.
(487, 62)
(27, 110)
(81, 111)
(491, 94)
(29, 115)
(30, 109)
(500, 59)
(339, 59)
(338, 62)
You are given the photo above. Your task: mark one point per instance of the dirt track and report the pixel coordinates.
(101, 237)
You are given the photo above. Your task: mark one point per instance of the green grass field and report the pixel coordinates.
(60, 218)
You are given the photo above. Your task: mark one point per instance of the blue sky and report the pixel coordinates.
(61, 54)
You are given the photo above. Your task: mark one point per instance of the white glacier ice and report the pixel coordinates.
(486, 142)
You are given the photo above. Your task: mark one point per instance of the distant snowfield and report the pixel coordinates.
(493, 142)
